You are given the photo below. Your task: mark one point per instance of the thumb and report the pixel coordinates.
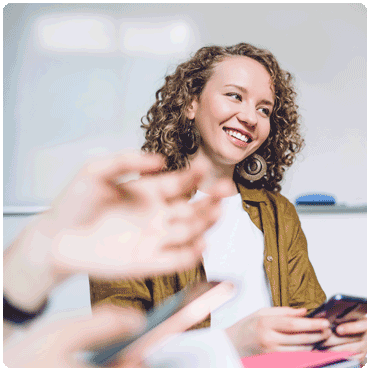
(297, 312)
(109, 167)
(108, 324)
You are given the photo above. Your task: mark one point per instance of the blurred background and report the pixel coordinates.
(79, 77)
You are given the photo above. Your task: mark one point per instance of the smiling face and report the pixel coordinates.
(233, 110)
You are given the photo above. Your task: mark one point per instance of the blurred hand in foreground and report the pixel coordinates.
(110, 230)
(135, 229)
(56, 345)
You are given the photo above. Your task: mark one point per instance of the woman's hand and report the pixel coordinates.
(277, 329)
(351, 336)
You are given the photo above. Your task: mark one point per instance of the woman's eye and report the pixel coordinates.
(265, 111)
(235, 95)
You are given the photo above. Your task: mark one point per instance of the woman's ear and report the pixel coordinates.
(191, 109)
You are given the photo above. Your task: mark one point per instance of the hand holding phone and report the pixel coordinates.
(340, 309)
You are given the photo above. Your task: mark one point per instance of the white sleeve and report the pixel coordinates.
(203, 348)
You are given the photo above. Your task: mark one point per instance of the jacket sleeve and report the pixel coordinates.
(304, 289)
(124, 293)
(144, 294)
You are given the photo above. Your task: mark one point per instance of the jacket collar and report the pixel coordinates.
(252, 195)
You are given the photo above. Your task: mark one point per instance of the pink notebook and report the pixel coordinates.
(294, 359)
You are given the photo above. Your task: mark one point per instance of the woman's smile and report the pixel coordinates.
(238, 137)
(233, 112)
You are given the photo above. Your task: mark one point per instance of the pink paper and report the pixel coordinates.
(294, 359)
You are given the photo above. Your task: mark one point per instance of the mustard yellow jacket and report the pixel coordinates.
(291, 276)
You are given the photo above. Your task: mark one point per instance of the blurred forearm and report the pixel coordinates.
(27, 275)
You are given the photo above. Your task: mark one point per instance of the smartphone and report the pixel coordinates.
(175, 315)
(340, 309)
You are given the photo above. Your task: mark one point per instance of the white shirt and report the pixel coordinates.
(202, 348)
(235, 251)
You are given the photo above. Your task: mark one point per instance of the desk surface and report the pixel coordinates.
(338, 208)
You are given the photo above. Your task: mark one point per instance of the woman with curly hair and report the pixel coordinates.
(234, 109)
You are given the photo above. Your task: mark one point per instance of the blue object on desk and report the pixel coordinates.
(315, 200)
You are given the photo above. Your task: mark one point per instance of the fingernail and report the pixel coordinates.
(339, 330)
(326, 324)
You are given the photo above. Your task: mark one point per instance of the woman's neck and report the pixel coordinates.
(215, 172)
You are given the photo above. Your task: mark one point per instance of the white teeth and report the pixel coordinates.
(238, 135)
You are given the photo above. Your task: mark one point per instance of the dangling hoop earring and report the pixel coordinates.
(253, 168)
(190, 139)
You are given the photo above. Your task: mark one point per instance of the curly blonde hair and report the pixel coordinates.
(166, 119)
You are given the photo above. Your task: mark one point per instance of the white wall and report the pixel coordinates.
(337, 250)
(64, 105)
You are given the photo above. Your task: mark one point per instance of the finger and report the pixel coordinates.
(179, 184)
(282, 311)
(181, 211)
(195, 220)
(182, 258)
(292, 348)
(361, 357)
(184, 232)
(206, 212)
(187, 256)
(129, 361)
(354, 327)
(199, 245)
(196, 245)
(204, 208)
(204, 217)
(180, 234)
(118, 164)
(357, 347)
(303, 338)
(222, 188)
(300, 324)
(108, 324)
(334, 340)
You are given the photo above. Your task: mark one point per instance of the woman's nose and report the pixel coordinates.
(248, 116)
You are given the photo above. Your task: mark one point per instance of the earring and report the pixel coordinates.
(253, 168)
(190, 139)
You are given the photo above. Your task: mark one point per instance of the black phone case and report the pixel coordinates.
(340, 309)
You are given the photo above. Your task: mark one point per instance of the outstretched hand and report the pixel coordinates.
(135, 229)
(112, 230)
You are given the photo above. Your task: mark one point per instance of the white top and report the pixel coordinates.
(235, 251)
(202, 348)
